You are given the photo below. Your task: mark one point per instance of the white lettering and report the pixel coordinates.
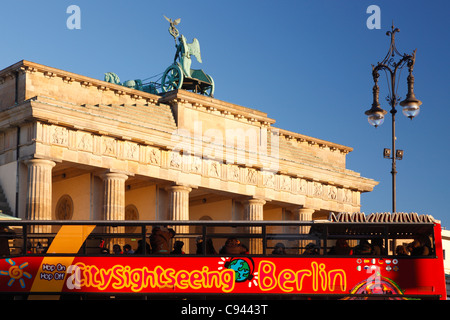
(374, 21)
(74, 280)
(74, 20)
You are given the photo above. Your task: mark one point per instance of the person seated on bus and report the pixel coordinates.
(279, 249)
(104, 251)
(209, 246)
(178, 247)
(341, 248)
(421, 246)
(311, 249)
(364, 248)
(40, 248)
(377, 245)
(140, 248)
(401, 250)
(233, 246)
(159, 239)
(117, 249)
(127, 249)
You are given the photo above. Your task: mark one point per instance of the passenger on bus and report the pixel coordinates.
(178, 247)
(377, 245)
(159, 239)
(233, 246)
(209, 246)
(401, 250)
(311, 249)
(140, 248)
(364, 248)
(341, 248)
(279, 249)
(117, 249)
(40, 248)
(127, 249)
(421, 246)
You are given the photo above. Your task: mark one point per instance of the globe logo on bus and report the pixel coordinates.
(241, 269)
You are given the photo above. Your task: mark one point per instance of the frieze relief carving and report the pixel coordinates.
(59, 135)
(196, 164)
(268, 180)
(84, 141)
(303, 186)
(154, 156)
(251, 176)
(332, 192)
(233, 172)
(214, 169)
(133, 151)
(317, 189)
(285, 183)
(175, 160)
(109, 146)
(347, 196)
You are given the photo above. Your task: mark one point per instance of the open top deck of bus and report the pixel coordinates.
(77, 258)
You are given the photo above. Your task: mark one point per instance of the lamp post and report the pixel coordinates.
(411, 106)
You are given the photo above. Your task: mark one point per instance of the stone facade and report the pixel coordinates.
(179, 156)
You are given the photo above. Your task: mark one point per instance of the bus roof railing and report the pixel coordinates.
(224, 223)
(387, 217)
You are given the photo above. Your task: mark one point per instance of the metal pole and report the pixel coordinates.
(394, 164)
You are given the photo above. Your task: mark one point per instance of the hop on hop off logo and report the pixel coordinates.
(16, 272)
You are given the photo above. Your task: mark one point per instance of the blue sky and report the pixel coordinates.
(307, 64)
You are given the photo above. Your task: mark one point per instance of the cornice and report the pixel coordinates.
(25, 66)
(224, 108)
(289, 135)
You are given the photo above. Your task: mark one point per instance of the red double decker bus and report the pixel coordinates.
(349, 256)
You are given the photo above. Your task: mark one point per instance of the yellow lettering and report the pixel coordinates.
(266, 275)
(288, 280)
(333, 275)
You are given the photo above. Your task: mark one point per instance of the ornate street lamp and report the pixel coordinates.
(411, 106)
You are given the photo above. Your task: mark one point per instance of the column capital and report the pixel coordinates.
(41, 162)
(176, 188)
(254, 201)
(300, 209)
(304, 214)
(113, 175)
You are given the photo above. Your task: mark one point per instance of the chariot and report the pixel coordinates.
(178, 75)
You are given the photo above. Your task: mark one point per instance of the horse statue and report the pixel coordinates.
(112, 77)
(132, 84)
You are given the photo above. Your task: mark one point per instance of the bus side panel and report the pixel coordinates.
(224, 275)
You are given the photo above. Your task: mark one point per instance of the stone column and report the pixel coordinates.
(254, 212)
(303, 214)
(114, 203)
(39, 192)
(179, 210)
